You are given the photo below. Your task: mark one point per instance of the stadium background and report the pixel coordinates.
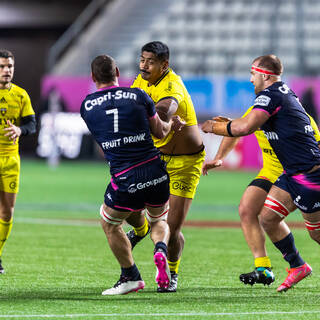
(56, 258)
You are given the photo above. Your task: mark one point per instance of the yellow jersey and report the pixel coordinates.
(169, 85)
(272, 167)
(14, 104)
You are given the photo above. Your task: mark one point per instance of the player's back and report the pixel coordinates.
(117, 117)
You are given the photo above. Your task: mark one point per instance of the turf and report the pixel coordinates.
(58, 262)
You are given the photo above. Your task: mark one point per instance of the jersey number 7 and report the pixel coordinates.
(115, 119)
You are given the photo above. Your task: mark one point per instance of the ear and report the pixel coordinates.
(165, 65)
(93, 77)
(117, 72)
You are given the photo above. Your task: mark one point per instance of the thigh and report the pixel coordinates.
(277, 206)
(252, 200)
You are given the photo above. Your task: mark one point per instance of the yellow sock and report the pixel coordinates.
(174, 266)
(143, 230)
(262, 262)
(5, 229)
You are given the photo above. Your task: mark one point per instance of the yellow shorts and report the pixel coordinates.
(9, 173)
(184, 172)
(270, 173)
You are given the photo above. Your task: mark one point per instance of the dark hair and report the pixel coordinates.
(103, 68)
(271, 63)
(158, 48)
(6, 54)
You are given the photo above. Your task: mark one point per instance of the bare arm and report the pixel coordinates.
(160, 128)
(226, 145)
(166, 108)
(238, 127)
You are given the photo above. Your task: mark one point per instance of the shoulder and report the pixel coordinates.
(18, 90)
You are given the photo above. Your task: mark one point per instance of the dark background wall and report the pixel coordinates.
(29, 28)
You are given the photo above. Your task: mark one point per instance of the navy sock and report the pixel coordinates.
(132, 273)
(161, 245)
(289, 251)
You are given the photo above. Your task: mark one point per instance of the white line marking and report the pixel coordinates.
(59, 222)
(203, 314)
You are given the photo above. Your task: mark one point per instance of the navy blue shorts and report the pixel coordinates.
(304, 189)
(145, 184)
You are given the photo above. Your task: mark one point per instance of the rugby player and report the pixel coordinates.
(17, 119)
(183, 151)
(121, 121)
(286, 125)
(253, 199)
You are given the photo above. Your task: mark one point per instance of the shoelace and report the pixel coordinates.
(120, 281)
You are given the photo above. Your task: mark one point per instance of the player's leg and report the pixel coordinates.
(9, 187)
(130, 279)
(140, 228)
(160, 235)
(249, 209)
(277, 206)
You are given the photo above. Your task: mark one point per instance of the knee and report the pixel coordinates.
(6, 213)
(266, 221)
(315, 235)
(246, 213)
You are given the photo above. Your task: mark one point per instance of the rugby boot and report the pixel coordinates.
(124, 285)
(258, 275)
(294, 276)
(173, 284)
(134, 239)
(1, 267)
(163, 275)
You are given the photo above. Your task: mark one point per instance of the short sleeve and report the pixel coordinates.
(27, 109)
(172, 90)
(267, 102)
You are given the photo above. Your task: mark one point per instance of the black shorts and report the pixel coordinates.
(146, 184)
(261, 183)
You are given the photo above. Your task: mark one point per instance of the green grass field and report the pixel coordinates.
(58, 262)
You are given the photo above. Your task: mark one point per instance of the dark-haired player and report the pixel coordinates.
(286, 125)
(16, 119)
(183, 151)
(121, 121)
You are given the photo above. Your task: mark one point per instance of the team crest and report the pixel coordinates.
(3, 111)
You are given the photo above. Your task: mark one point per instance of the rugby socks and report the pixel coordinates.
(262, 262)
(161, 246)
(174, 266)
(131, 273)
(143, 230)
(289, 251)
(5, 229)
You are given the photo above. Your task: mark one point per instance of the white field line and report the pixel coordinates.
(58, 222)
(191, 314)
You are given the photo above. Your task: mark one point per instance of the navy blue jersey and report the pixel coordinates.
(118, 119)
(288, 129)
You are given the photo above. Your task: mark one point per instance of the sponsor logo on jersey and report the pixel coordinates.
(142, 185)
(271, 135)
(183, 186)
(117, 95)
(262, 101)
(308, 128)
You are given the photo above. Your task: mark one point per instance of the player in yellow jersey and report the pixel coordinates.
(253, 199)
(183, 151)
(16, 119)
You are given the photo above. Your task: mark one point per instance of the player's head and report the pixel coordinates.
(6, 67)
(264, 71)
(154, 61)
(104, 70)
